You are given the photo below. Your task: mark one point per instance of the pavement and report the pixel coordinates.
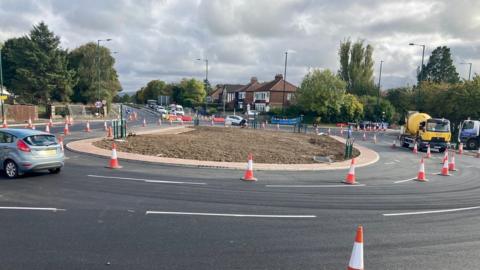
(153, 216)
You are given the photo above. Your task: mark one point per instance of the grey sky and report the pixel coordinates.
(242, 38)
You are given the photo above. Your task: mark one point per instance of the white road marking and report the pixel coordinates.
(226, 215)
(314, 186)
(396, 160)
(389, 163)
(31, 208)
(431, 212)
(146, 180)
(406, 180)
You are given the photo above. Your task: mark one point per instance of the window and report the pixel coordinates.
(6, 138)
(468, 125)
(230, 97)
(262, 95)
(289, 96)
(240, 105)
(40, 140)
(438, 126)
(241, 95)
(260, 107)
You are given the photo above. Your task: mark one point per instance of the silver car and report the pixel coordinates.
(25, 150)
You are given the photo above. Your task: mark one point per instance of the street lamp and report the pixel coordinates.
(421, 71)
(379, 81)
(206, 78)
(1, 86)
(285, 79)
(469, 69)
(98, 65)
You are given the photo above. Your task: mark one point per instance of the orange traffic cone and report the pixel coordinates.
(451, 165)
(350, 179)
(60, 141)
(65, 130)
(5, 124)
(421, 172)
(70, 120)
(415, 149)
(110, 132)
(394, 144)
(249, 172)
(47, 128)
(460, 149)
(429, 153)
(114, 161)
(87, 127)
(356, 260)
(445, 168)
(445, 157)
(105, 126)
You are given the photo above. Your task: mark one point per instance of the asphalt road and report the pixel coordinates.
(147, 216)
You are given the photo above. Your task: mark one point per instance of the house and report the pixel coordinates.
(226, 94)
(273, 94)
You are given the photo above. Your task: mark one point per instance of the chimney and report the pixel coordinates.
(253, 80)
(278, 77)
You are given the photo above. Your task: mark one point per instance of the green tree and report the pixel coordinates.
(440, 68)
(91, 85)
(193, 91)
(402, 99)
(154, 89)
(321, 92)
(373, 112)
(356, 67)
(351, 110)
(37, 68)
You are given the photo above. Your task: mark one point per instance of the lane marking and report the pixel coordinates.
(406, 180)
(396, 160)
(314, 186)
(431, 212)
(226, 215)
(145, 180)
(31, 208)
(389, 163)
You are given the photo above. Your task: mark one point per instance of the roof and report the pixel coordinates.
(23, 132)
(277, 85)
(232, 87)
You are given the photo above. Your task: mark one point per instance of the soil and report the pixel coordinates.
(234, 145)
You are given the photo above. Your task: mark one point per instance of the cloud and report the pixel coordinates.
(161, 39)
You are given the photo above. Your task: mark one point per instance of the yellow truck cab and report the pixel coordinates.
(424, 130)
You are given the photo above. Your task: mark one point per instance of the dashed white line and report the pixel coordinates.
(146, 180)
(389, 163)
(431, 212)
(406, 180)
(226, 215)
(31, 208)
(314, 186)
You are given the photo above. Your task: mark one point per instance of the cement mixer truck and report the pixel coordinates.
(424, 130)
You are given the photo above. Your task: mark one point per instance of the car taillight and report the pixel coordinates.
(22, 146)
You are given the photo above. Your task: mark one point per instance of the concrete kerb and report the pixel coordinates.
(366, 157)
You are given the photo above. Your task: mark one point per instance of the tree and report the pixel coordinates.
(37, 68)
(356, 67)
(321, 92)
(193, 91)
(351, 110)
(402, 99)
(373, 112)
(92, 85)
(154, 89)
(440, 68)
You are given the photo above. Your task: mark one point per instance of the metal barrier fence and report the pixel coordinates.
(348, 148)
(119, 129)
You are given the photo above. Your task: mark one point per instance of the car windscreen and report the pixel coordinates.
(40, 140)
(438, 126)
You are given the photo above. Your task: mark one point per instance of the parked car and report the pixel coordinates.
(234, 120)
(25, 150)
(161, 109)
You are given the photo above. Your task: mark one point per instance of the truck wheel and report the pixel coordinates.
(472, 144)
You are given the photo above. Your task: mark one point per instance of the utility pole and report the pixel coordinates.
(98, 65)
(422, 75)
(206, 79)
(284, 81)
(1, 85)
(469, 69)
(379, 82)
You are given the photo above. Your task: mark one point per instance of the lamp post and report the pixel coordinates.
(469, 69)
(379, 82)
(1, 85)
(284, 80)
(98, 65)
(421, 71)
(206, 79)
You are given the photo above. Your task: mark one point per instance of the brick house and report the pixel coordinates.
(265, 96)
(226, 93)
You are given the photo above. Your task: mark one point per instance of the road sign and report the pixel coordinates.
(98, 104)
(3, 97)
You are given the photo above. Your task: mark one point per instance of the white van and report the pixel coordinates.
(177, 109)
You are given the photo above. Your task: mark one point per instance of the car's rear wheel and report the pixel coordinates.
(55, 171)
(11, 169)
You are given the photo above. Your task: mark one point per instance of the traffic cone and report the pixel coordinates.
(5, 124)
(249, 172)
(374, 137)
(159, 121)
(105, 126)
(60, 141)
(445, 157)
(263, 125)
(212, 123)
(170, 120)
(460, 149)
(429, 153)
(278, 126)
(394, 144)
(47, 128)
(356, 260)
(415, 148)
(50, 122)
(70, 120)
(341, 131)
(445, 169)
(66, 132)
(329, 131)
(110, 132)
(87, 127)
(451, 165)
(364, 138)
(29, 125)
(421, 172)
(350, 179)
(114, 161)
(144, 124)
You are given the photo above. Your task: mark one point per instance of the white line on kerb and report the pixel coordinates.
(226, 215)
(146, 180)
(313, 186)
(431, 212)
(31, 208)
(406, 180)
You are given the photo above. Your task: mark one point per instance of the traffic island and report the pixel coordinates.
(219, 147)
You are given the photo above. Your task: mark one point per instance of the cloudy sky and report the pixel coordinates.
(162, 39)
